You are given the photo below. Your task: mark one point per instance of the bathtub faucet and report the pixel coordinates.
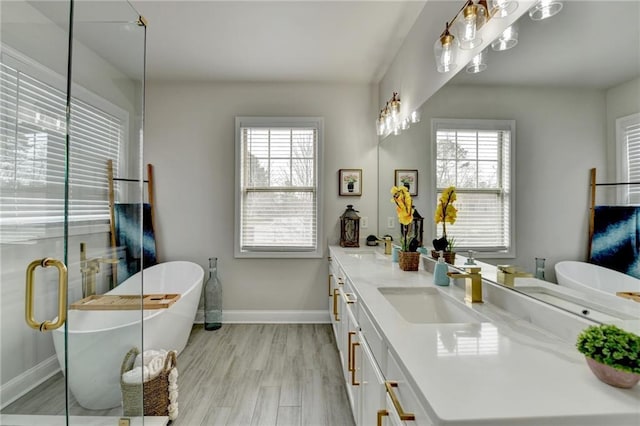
(89, 268)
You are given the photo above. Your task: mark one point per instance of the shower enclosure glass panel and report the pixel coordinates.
(71, 98)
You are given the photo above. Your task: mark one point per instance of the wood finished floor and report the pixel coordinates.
(243, 374)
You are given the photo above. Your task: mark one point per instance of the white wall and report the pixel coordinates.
(560, 135)
(189, 138)
(622, 100)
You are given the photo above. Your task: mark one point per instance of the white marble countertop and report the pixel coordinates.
(500, 372)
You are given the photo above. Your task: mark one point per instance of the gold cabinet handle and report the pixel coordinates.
(396, 404)
(381, 414)
(330, 276)
(335, 304)
(349, 351)
(353, 363)
(349, 297)
(62, 295)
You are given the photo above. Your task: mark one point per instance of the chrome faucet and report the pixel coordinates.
(89, 268)
(473, 283)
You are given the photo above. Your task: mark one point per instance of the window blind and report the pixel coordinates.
(476, 162)
(33, 158)
(279, 201)
(631, 137)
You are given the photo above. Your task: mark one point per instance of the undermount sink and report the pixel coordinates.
(426, 305)
(575, 305)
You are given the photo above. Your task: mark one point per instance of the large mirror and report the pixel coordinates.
(564, 84)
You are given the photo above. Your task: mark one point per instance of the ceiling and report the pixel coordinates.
(590, 43)
(275, 41)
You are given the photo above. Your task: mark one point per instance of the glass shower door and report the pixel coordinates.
(107, 94)
(71, 98)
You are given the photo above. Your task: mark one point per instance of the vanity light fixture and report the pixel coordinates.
(445, 51)
(380, 123)
(390, 120)
(478, 63)
(394, 106)
(506, 40)
(502, 8)
(544, 9)
(467, 25)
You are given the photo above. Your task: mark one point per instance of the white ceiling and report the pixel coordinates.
(334, 41)
(590, 43)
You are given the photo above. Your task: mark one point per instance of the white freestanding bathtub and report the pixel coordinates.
(581, 275)
(97, 341)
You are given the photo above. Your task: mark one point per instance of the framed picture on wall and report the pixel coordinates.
(350, 182)
(408, 179)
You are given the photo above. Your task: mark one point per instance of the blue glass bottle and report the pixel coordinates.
(213, 298)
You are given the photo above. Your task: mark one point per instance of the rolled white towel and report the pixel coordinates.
(173, 396)
(173, 411)
(155, 366)
(173, 375)
(172, 387)
(147, 356)
(136, 375)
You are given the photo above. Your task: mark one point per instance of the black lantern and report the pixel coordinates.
(350, 228)
(418, 227)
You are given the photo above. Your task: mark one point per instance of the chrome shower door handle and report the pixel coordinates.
(62, 295)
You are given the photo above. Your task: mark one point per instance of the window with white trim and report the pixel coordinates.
(33, 154)
(628, 154)
(278, 197)
(476, 156)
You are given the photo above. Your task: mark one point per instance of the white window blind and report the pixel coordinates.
(629, 158)
(279, 202)
(33, 158)
(476, 160)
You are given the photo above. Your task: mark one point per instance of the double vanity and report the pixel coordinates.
(417, 354)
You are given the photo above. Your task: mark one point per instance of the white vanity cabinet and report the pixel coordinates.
(372, 391)
(402, 403)
(349, 341)
(335, 281)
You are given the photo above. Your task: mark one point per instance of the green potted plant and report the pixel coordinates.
(612, 353)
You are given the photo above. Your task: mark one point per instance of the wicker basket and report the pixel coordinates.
(409, 260)
(150, 398)
(449, 256)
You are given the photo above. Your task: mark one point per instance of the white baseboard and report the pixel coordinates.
(271, 317)
(45, 420)
(28, 380)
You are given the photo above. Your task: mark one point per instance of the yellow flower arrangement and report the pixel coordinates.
(404, 209)
(445, 213)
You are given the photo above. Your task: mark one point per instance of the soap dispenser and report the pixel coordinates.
(440, 276)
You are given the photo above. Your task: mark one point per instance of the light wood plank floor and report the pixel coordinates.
(244, 374)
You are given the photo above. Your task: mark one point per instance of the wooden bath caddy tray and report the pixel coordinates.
(633, 295)
(124, 302)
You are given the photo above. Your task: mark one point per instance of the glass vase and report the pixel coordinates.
(540, 268)
(213, 298)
